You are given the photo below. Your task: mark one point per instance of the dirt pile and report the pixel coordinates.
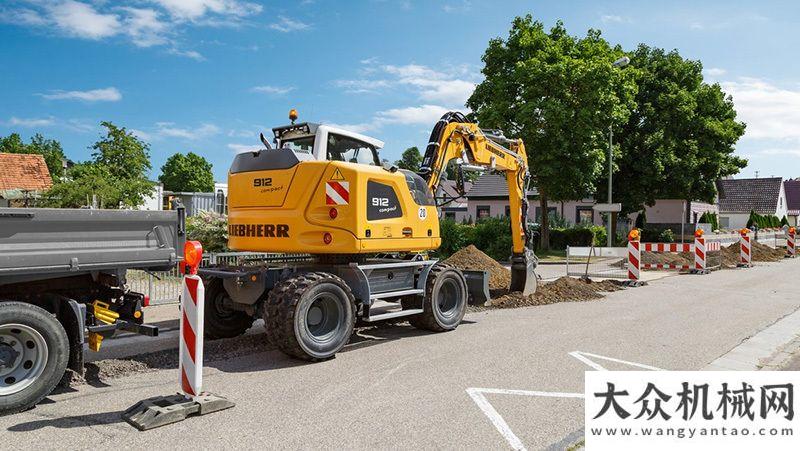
(761, 253)
(665, 259)
(564, 289)
(473, 258)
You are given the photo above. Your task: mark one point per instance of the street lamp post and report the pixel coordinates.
(622, 62)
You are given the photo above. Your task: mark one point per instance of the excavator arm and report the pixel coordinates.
(453, 137)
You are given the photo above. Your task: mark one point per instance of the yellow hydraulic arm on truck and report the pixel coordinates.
(453, 137)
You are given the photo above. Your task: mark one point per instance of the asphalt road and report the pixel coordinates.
(401, 388)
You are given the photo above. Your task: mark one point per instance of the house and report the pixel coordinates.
(489, 197)
(737, 197)
(453, 205)
(23, 177)
(676, 211)
(792, 190)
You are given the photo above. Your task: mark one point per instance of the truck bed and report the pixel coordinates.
(41, 243)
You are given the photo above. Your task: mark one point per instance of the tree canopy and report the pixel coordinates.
(680, 138)
(187, 173)
(50, 149)
(411, 159)
(559, 94)
(116, 175)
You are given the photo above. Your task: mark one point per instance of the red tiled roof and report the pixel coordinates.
(24, 172)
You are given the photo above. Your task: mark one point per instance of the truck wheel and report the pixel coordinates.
(220, 320)
(34, 350)
(310, 316)
(445, 301)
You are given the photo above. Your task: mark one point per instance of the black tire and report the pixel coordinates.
(220, 321)
(52, 340)
(445, 301)
(310, 316)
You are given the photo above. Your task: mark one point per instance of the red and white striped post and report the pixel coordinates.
(634, 255)
(700, 252)
(790, 247)
(745, 249)
(190, 352)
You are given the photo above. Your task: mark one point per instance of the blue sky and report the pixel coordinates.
(208, 75)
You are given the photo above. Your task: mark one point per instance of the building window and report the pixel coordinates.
(551, 214)
(508, 211)
(482, 212)
(724, 222)
(584, 215)
(451, 215)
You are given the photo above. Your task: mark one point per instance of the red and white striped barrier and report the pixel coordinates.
(634, 256)
(745, 249)
(190, 353)
(790, 242)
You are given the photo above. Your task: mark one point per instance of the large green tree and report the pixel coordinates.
(187, 173)
(558, 93)
(411, 159)
(50, 149)
(680, 138)
(116, 175)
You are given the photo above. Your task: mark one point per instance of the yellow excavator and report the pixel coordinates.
(352, 235)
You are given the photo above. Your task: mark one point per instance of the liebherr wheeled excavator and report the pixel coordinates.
(352, 235)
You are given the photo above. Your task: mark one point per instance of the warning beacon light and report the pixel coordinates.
(192, 256)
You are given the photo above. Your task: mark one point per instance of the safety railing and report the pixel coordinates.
(597, 262)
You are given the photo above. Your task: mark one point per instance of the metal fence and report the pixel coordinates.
(164, 287)
(597, 262)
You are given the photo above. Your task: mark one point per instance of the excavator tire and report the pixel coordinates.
(310, 316)
(445, 301)
(219, 320)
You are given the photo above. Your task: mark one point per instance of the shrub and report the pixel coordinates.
(666, 236)
(210, 229)
(600, 235)
(454, 236)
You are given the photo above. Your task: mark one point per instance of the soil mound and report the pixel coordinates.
(473, 258)
(564, 289)
(761, 253)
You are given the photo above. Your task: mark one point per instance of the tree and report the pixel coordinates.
(559, 94)
(187, 173)
(117, 174)
(680, 138)
(411, 159)
(50, 149)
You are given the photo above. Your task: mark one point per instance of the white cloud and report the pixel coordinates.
(95, 95)
(141, 134)
(193, 54)
(168, 129)
(420, 115)
(612, 18)
(145, 28)
(715, 72)
(770, 111)
(30, 122)
(361, 85)
(286, 25)
(197, 9)
(82, 20)
(241, 148)
(274, 90)
(22, 16)
(463, 6)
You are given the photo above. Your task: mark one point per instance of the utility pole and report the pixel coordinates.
(610, 176)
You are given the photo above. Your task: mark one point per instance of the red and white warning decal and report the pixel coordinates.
(337, 193)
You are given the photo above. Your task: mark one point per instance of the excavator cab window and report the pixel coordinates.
(351, 150)
(304, 144)
(419, 189)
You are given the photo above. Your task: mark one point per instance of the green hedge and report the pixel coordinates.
(493, 236)
(763, 221)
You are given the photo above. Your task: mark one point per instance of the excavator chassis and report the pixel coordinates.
(380, 288)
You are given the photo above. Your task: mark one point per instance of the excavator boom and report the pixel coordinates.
(453, 137)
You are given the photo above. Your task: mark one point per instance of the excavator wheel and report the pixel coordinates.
(445, 301)
(310, 316)
(220, 321)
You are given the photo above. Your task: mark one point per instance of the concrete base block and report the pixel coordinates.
(163, 410)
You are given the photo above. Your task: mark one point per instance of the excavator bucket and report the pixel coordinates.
(523, 274)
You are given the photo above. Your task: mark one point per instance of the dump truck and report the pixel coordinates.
(366, 229)
(63, 288)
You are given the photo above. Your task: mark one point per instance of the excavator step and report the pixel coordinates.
(396, 294)
(390, 315)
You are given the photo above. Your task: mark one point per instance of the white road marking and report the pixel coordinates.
(478, 395)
